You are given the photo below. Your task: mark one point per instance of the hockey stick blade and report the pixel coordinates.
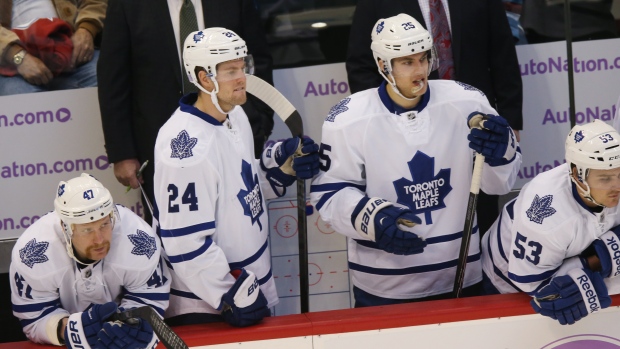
(287, 112)
(165, 334)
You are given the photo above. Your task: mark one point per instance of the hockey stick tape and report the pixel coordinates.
(477, 121)
(365, 220)
(586, 287)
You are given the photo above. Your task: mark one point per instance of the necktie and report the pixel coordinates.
(441, 38)
(187, 24)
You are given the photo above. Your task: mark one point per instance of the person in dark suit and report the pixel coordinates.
(140, 75)
(483, 53)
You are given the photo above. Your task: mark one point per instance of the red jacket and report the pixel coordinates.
(48, 39)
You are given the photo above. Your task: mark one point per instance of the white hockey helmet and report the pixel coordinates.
(400, 36)
(209, 47)
(595, 145)
(81, 200)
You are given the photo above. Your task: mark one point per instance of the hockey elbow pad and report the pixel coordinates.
(244, 304)
(569, 298)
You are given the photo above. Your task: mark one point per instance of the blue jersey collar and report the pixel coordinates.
(187, 105)
(397, 109)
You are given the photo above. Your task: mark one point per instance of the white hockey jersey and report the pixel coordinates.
(541, 233)
(47, 284)
(419, 159)
(209, 191)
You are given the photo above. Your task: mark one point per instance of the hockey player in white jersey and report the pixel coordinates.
(560, 235)
(210, 190)
(400, 153)
(75, 266)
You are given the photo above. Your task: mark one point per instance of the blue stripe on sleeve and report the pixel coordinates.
(139, 300)
(183, 294)
(499, 238)
(27, 308)
(251, 259)
(151, 296)
(411, 270)
(510, 208)
(525, 279)
(265, 279)
(333, 188)
(170, 233)
(496, 270)
(191, 255)
(26, 322)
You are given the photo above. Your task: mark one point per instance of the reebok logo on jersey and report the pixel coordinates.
(614, 250)
(590, 294)
(426, 191)
(540, 209)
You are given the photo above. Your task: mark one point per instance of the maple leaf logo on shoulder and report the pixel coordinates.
(579, 136)
(61, 190)
(198, 36)
(340, 107)
(144, 244)
(469, 87)
(540, 209)
(426, 191)
(250, 197)
(182, 145)
(34, 252)
(380, 27)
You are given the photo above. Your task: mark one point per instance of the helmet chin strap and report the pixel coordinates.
(585, 192)
(67, 234)
(213, 95)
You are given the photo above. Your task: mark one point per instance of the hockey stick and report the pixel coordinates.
(165, 334)
(287, 112)
(475, 121)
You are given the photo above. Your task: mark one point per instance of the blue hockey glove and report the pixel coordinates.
(282, 168)
(495, 140)
(569, 298)
(82, 328)
(244, 304)
(607, 249)
(120, 335)
(378, 220)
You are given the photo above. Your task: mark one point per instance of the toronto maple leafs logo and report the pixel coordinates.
(340, 107)
(34, 252)
(540, 209)
(380, 27)
(144, 245)
(198, 36)
(61, 190)
(425, 192)
(250, 197)
(182, 145)
(469, 87)
(579, 136)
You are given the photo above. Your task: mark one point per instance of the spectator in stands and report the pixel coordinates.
(513, 12)
(49, 45)
(141, 78)
(543, 20)
(477, 49)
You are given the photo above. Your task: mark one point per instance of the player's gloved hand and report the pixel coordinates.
(244, 304)
(282, 168)
(82, 328)
(607, 249)
(136, 334)
(495, 140)
(381, 221)
(569, 298)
